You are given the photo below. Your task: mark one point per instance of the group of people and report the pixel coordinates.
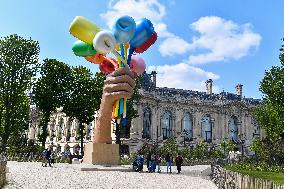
(154, 161)
(48, 156)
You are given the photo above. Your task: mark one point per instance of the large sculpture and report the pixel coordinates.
(127, 37)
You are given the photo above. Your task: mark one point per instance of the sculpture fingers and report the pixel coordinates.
(118, 87)
(123, 71)
(120, 79)
(118, 95)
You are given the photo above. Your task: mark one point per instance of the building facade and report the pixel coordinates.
(190, 116)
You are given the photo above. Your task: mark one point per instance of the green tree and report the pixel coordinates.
(170, 147)
(270, 115)
(18, 64)
(84, 98)
(51, 91)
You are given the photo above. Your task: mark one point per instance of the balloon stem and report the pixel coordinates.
(131, 51)
(121, 59)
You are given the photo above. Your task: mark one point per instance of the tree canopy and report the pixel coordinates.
(84, 97)
(270, 115)
(18, 64)
(51, 90)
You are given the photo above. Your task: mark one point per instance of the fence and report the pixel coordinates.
(226, 179)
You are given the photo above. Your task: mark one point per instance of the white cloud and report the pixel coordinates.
(222, 39)
(161, 29)
(217, 39)
(174, 45)
(183, 76)
(151, 9)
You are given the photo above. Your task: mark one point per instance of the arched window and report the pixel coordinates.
(233, 129)
(146, 123)
(167, 124)
(187, 126)
(206, 127)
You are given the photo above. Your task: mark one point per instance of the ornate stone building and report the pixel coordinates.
(190, 116)
(61, 130)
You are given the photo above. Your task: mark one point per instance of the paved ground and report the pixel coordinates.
(30, 175)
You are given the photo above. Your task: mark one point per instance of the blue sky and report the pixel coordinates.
(228, 41)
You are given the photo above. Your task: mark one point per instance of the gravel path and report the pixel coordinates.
(30, 175)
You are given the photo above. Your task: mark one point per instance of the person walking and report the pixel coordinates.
(138, 163)
(168, 159)
(44, 160)
(158, 162)
(179, 161)
(153, 163)
(148, 159)
(53, 157)
(48, 156)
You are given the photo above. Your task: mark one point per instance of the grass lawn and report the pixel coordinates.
(273, 176)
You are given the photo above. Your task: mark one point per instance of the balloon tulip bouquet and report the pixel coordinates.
(128, 37)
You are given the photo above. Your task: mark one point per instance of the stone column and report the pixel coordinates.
(137, 123)
(243, 124)
(219, 125)
(179, 115)
(225, 123)
(215, 131)
(155, 122)
(139, 126)
(197, 126)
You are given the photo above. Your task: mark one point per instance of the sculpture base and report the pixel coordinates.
(101, 154)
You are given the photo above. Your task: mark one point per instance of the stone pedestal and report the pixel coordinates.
(101, 154)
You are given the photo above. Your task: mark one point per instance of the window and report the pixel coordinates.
(206, 128)
(187, 126)
(167, 125)
(146, 123)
